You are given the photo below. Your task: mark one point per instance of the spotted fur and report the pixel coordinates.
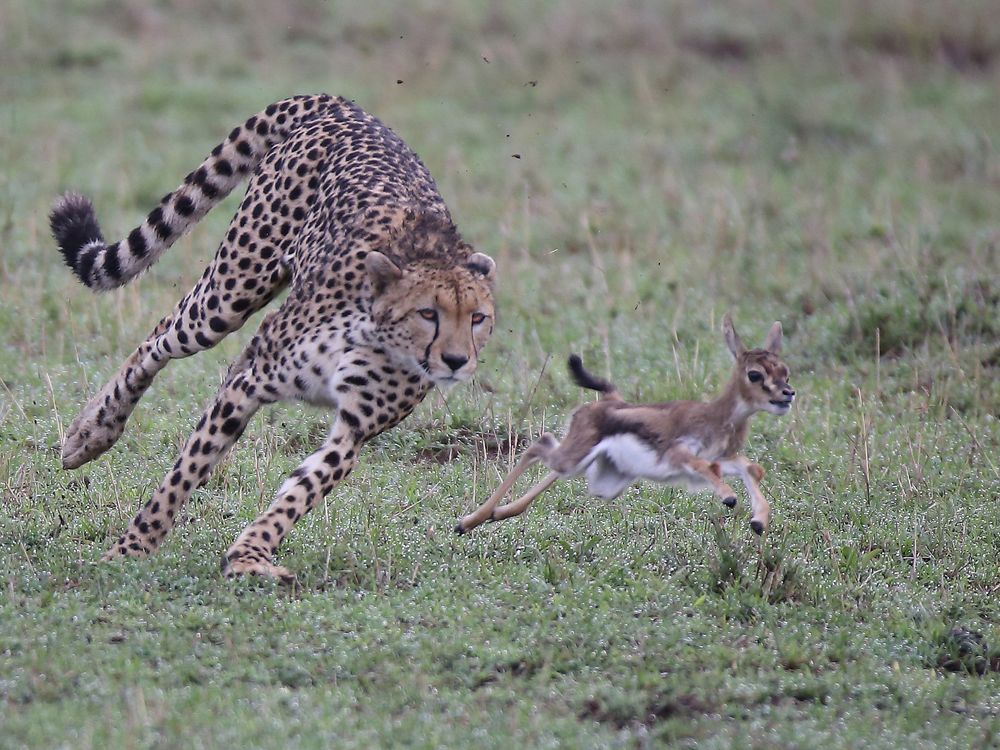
(385, 301)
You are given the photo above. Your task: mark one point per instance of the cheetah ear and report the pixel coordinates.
(732, 338)
(381, 271)
(482, 264)
(773, 341)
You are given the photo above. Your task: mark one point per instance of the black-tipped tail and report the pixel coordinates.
(74, 225)
(585, 380)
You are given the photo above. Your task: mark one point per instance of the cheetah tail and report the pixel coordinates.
(102, 266)
(585, 380)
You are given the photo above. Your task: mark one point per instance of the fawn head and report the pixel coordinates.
(760, 377)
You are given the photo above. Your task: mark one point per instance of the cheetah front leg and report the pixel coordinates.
(220, 426)
(372, 396)
(253, 551)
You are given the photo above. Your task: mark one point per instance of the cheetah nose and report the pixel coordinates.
(454, 361)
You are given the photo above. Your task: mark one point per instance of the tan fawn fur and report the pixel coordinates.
(679, 442)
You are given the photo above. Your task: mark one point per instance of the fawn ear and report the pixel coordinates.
(732, 338)
(773, 341)
(381, 271)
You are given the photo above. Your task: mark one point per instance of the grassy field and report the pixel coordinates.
(636, 169)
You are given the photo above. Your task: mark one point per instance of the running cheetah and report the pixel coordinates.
(385, 301)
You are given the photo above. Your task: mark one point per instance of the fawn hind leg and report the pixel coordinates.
(536, 452)
(220, 303)
(565, 459)
(518, 507)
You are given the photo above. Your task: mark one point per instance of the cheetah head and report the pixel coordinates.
(432, 319)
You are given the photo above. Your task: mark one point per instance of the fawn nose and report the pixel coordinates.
(454, 361)
(787, 391)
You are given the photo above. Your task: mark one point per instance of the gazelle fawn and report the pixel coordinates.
(679, 442)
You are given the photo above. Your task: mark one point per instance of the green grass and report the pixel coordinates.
(831, 165)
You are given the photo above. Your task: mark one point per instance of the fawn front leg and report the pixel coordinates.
(706, 471)
(750, 473)
(536, 452)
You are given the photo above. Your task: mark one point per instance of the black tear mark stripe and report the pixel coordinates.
(427, 351)
(106, 266)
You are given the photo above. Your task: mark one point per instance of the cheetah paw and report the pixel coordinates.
(263, 568)
(90, 434)
(119, 550)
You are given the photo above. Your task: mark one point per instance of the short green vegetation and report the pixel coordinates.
(636, 169)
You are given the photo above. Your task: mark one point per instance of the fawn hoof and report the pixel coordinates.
(729, 502)
(459, 528)
(758, 527)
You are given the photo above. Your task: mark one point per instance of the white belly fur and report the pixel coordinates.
(618, 460)
(604, 480)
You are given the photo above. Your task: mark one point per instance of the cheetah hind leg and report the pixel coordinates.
(102, 421)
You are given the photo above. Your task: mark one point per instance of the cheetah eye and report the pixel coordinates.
(428, 313)
(478, 318)
(754, 376)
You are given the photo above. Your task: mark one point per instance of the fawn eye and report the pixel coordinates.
(478, 318)
(427, 313)
(754, 376)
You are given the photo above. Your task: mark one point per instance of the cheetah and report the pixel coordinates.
(385, 301)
